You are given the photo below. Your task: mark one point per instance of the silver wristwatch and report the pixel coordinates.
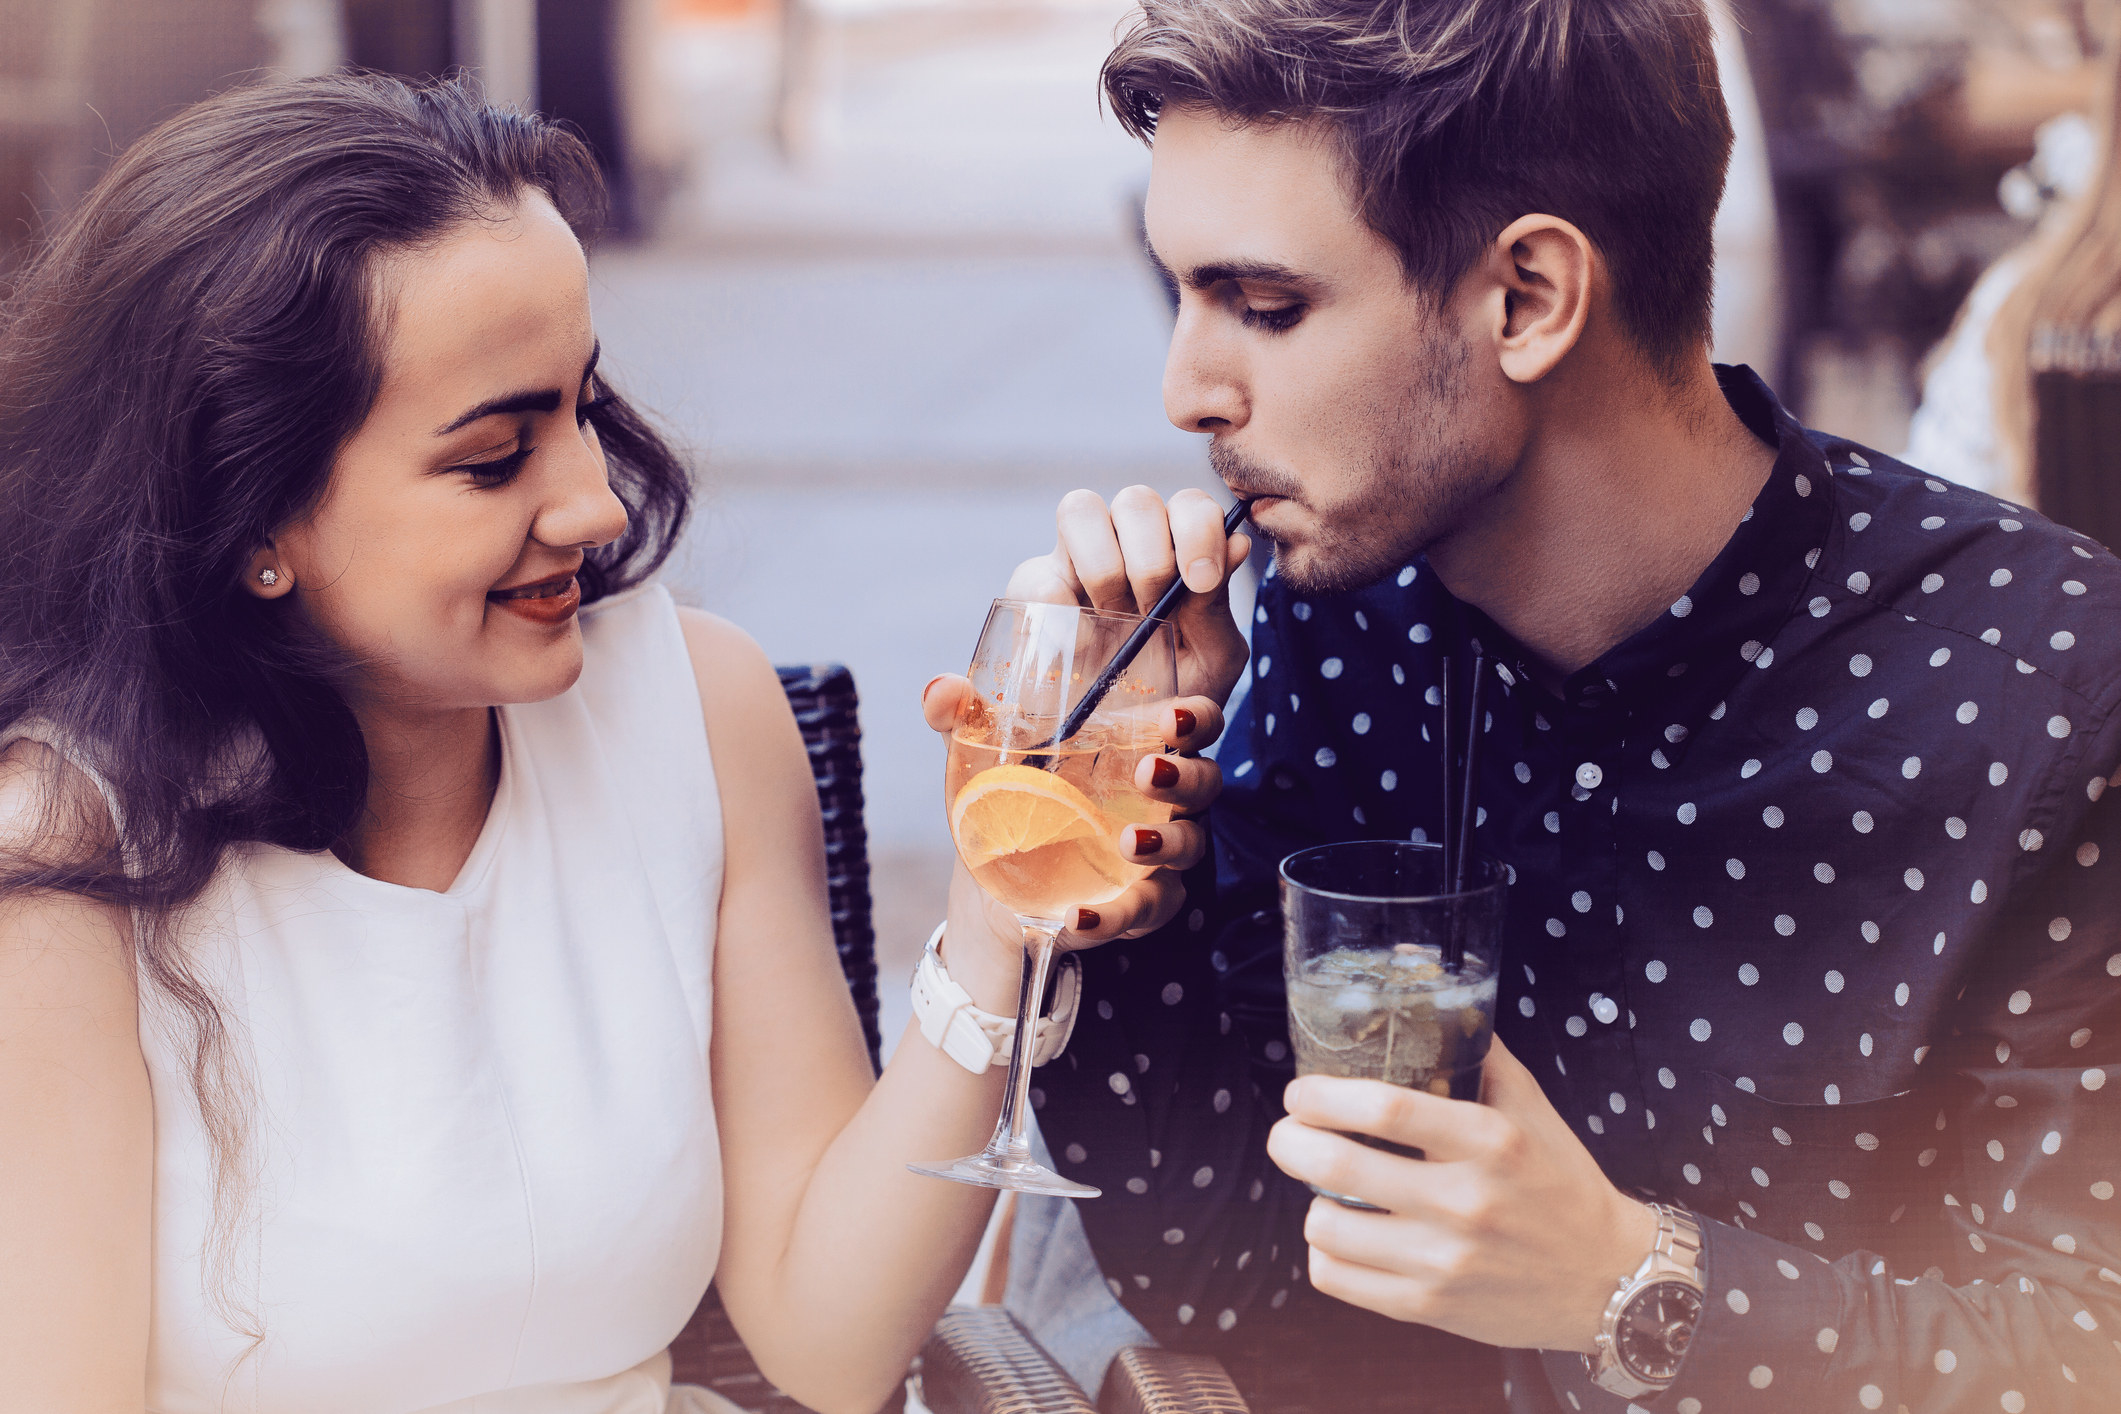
(1651, 1318)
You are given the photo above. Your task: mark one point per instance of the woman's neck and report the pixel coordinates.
(431, 782)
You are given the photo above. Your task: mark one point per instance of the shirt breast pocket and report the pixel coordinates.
(1831, 1179)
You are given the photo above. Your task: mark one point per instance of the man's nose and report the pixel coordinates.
(1202, 392)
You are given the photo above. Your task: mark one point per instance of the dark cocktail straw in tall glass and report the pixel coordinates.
(1468, 813)
(1447, 835)
(1460, 814)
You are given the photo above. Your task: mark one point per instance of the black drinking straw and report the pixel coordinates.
(1131, 649)
(1450, 767)
(1468, 815)
(1456, 853)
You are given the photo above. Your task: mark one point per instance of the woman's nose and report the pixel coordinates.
(583, 510)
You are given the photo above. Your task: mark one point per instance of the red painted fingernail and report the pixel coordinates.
(1147, 842)
(1162, 774)
(1184, 721)
(930, 687)
(1085, 919)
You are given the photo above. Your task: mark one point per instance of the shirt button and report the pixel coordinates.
(1589, 776)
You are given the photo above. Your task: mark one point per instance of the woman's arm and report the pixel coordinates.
(835, 1260)
(76, 1127)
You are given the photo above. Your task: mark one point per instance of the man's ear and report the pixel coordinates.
(1544, 271)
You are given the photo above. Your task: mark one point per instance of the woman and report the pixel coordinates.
(2023, 398)
(415, 977)
(2056, 344)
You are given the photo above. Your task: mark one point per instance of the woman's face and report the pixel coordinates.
(442, 557)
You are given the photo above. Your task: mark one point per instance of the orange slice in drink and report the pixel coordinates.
(1007, 810)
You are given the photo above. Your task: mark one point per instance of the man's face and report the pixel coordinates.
(1353, 404)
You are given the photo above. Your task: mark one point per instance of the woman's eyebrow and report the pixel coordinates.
(544, 400)
(540, 400)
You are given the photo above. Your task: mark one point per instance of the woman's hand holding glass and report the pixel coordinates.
(984, 945)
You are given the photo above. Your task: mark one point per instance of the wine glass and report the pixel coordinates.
(1037, 820)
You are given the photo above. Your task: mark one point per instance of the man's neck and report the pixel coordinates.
(1627, 490)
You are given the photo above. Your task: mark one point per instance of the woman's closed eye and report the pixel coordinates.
(496, 471)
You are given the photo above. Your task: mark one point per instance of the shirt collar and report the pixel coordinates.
(1687, 661)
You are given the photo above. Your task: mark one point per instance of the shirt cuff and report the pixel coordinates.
(1768, 1327)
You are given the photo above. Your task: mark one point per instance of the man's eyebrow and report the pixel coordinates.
(530, 400)
(1201, 277)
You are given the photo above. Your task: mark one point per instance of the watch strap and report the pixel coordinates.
(1675, 1255)
(976, 1039)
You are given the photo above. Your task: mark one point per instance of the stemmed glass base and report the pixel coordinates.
(1002, 1170)
(1006, 1162)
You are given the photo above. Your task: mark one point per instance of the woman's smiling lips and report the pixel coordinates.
(552, 600)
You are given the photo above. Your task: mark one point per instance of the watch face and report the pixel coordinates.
(1654, 1329)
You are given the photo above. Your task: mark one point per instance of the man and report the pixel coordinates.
(1800, 760)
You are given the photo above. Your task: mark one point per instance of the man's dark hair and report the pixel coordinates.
(1455, 117)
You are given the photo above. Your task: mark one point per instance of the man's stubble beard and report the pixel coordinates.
(1421, 478)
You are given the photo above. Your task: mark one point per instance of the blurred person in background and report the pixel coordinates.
(1804, 764)
(2056, 347)
(1955, 431)
(2020, 400)
(415, 973)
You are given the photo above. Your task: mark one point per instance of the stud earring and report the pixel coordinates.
(268, 577)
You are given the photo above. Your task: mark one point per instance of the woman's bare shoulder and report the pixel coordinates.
(50, 811)
(759, 761)
(52, 814)
(739, 688)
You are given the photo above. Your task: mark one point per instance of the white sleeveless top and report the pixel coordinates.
(486, 1169)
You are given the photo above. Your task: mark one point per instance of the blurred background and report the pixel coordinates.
(876, 264)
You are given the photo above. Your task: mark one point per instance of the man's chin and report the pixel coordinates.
(1309, 568)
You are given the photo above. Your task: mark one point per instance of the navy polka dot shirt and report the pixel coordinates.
(1814, 929)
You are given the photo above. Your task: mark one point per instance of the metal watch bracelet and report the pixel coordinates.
(1670, 1275)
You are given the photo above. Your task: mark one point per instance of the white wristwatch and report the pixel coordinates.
(978, 1039)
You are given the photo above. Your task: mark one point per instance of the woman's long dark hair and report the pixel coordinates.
(179, 366)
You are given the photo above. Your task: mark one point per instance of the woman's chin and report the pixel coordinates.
(538, 677)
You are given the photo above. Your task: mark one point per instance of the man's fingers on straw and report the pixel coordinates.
(1144, 531)
(1091, 547)
(1197, 539)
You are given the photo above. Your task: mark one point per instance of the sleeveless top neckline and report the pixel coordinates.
(488, 842)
